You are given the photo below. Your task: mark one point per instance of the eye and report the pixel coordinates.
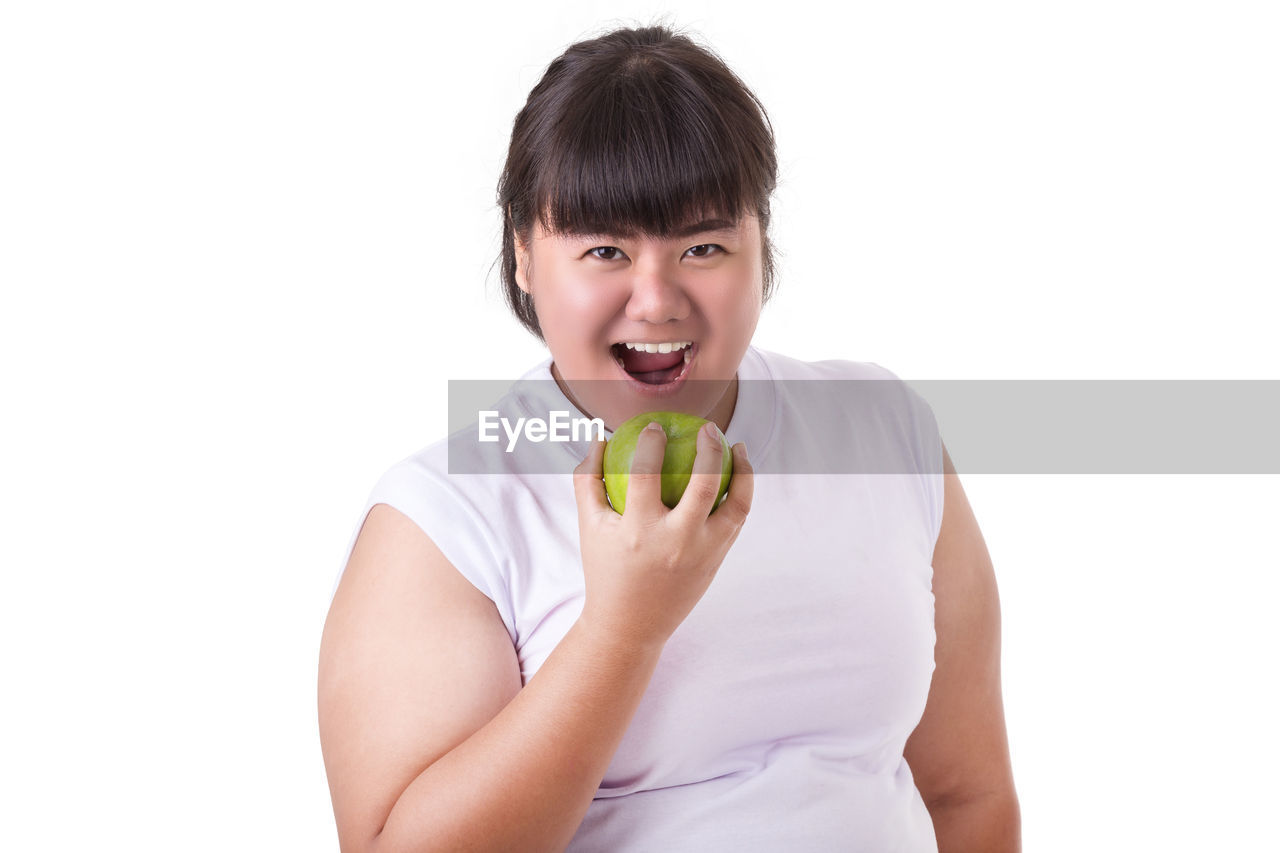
(613, 253)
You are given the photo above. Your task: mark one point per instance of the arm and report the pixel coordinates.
(429, 741)
(959, 753)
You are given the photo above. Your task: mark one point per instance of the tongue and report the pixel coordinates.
(648, 362)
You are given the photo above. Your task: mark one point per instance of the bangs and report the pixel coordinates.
(636, 133)
(638, 154)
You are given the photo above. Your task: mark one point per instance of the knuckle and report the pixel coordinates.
(631, 540)
(678, 552)
(734, 514)
(704, 491)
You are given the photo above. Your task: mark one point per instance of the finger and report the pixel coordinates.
(588, 482)
(730, 515)
(644, 484)
(704, 483)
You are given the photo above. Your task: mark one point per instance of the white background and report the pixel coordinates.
(244, 245)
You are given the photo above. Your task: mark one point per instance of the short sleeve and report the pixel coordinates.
(929, 443)
(925, 445)
(446, 515)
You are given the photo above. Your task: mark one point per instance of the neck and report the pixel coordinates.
(722, 412)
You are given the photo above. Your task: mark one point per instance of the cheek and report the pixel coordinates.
(739, 303)
(574, 310)
(585, 301)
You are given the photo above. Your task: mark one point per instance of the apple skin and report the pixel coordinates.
(677, 463)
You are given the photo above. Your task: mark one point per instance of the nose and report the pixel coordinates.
(657, 296)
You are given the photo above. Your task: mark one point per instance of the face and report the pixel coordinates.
(594, 292)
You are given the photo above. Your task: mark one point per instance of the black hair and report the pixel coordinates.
(638, 131)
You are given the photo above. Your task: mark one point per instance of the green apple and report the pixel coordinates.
(677, 463)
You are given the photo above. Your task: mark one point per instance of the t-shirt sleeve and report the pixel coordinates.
(929, 446)
(445, 514)
(925, 447)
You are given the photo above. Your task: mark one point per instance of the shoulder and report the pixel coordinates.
(467, 496)
(862, 386)
(454, 511)
(880, 422)
(785, 367)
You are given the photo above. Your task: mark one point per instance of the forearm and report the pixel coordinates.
(990, 824)
(524, 781)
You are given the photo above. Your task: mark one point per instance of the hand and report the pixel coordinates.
(646, 569)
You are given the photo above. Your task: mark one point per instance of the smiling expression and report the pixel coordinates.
(702, 285)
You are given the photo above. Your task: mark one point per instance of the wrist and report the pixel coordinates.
(614, 644)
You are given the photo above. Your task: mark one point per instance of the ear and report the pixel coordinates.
(522, 257)
(522, 265)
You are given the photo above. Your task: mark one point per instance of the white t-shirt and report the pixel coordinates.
(777, 715)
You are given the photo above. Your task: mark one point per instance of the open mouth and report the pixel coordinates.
(655, 368)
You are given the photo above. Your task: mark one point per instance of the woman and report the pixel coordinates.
(812, 666)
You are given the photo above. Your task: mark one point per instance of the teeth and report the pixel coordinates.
(665, 346)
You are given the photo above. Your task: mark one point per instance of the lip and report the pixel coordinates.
(657, 392)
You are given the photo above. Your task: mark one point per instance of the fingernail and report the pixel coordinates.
(653, 425)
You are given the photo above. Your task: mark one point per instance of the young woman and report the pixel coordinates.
(509, 664)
